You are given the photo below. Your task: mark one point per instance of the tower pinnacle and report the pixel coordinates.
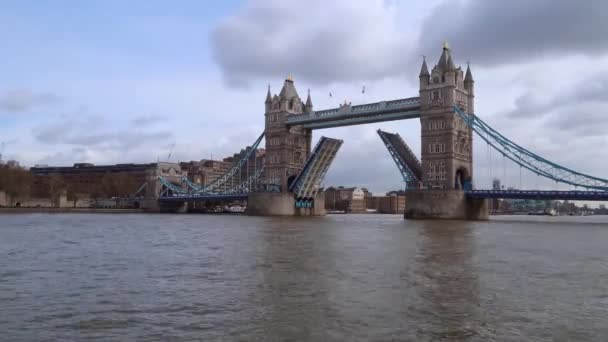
(268, 96)
(468, 78)
(424, 70)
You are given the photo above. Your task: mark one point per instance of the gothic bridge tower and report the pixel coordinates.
(447, 142)
(287, 148)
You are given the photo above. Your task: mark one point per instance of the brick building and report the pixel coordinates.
(349, 200)
(392, 203)
(84, 180)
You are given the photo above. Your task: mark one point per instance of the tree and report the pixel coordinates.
(15, 181)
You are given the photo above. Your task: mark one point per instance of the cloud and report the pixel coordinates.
(22, 100)
(90, 131)
(146, 120)
(579, 109)
(494, 32)
(319, 41)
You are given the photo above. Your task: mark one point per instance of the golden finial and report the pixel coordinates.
(290, 77)
(446, 45)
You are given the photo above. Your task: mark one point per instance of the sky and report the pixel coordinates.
(116, 82)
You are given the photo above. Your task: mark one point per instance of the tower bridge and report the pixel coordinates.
(440, 184)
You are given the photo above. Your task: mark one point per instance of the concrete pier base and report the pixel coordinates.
(281, 204)
(173, 207)
(444, 204)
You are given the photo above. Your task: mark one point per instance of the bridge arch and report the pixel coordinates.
(462, 178)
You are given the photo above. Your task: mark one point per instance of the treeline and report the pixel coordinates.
(15, 181)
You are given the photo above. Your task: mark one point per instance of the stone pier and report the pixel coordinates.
(444, 204)
(282, 204)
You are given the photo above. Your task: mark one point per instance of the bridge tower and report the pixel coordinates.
(447, 145)
(447, 142)
(287, 148)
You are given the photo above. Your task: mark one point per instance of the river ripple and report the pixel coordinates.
(337, 278)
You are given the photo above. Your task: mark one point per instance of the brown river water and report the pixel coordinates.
(137, 277)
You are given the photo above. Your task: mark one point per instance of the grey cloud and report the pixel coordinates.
(580, 109)
(88, 131)
(493, 32)
(146, 120)
(319, 41)
(21, 100)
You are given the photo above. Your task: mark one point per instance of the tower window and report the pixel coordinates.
(435, 79)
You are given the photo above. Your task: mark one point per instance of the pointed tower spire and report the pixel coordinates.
(468, 78)
(424, 70)
(451, 65)
(268, 96)
(444, 60)
(288, 91)
(308, 100)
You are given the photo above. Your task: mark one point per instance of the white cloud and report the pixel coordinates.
(322, 41)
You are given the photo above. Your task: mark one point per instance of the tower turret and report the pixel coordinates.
(268, 101)
(308, 106)
(424, 73)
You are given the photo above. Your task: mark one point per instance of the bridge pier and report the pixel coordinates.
(282, 204)
(444, 204)
(172, 207)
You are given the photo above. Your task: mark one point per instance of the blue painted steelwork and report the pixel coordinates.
(529, 160)
(307, 183)
(170, 188)
(406, 160)
(227, 176)
(540, 195)
(346, 115)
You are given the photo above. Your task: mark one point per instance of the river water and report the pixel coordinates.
(337, 278)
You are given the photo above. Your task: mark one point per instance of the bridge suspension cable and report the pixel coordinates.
(230, 173)
(528, 160)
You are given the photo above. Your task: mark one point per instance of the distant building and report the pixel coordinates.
(392, 203)
(496, 184)
(495, 203)
(349, 200)
(84, 180)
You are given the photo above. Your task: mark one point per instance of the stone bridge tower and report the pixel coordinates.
(287, 148)
(447, 142)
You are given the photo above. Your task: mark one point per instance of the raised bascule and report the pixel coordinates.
(439, 185)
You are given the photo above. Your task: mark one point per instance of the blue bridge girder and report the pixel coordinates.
(307, 183)
(347, 115)
(407, 162)
(539, 195)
